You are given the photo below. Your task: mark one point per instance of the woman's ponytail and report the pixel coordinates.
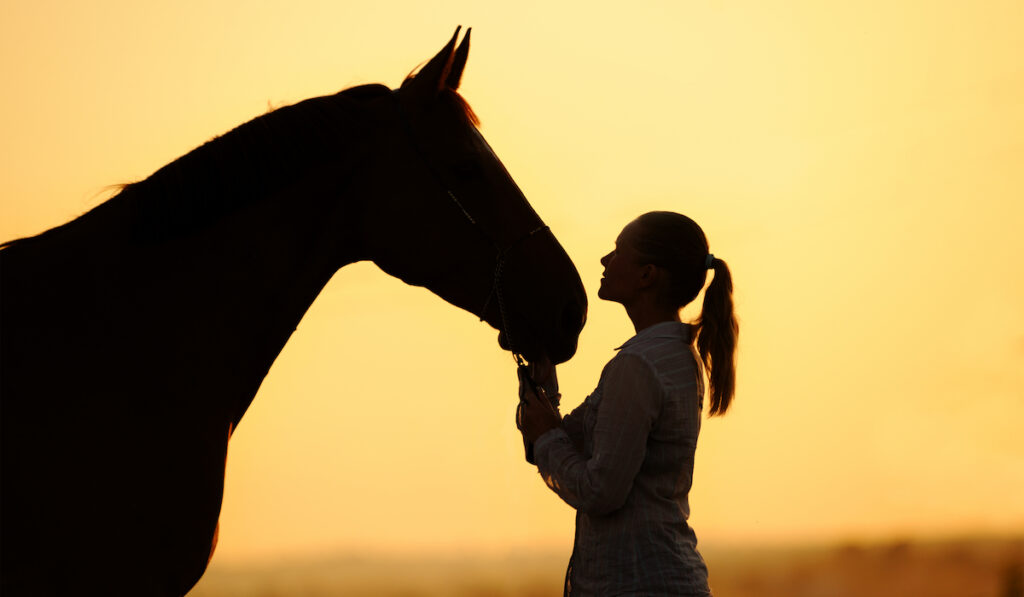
(716, 338)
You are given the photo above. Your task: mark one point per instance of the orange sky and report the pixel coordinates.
(857, 164)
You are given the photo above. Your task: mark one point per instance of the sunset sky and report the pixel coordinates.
(859, 165)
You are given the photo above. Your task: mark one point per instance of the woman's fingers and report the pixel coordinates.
(535, 413)
(531, 396)
(546, 410)
(543, 400)
(531, 400)
(542, 370)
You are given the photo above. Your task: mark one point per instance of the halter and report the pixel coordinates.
(500, 253)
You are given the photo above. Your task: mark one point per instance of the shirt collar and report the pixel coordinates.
(665, 329)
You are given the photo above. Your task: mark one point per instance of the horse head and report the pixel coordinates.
(445, 214)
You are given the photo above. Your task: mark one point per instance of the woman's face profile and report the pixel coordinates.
(622, 267)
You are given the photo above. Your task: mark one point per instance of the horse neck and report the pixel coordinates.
(247, 229)
(244, 284)
(221, 299)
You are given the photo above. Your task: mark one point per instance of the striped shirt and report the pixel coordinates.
(624, 460)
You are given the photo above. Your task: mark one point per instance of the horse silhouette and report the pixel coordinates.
(133, 338)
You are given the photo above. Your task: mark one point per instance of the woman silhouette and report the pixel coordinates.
(624, 458)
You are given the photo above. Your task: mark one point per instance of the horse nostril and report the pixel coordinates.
(572, 319)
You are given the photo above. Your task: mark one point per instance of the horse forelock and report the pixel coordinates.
(453, 100)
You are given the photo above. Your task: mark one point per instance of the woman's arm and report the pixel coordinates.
(536, 415)
(629, 404)
(572, 424)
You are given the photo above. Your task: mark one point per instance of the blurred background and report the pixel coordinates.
(858, 165)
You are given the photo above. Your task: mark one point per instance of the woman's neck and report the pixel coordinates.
(644, 316)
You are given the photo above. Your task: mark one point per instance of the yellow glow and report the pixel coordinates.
(857, 164)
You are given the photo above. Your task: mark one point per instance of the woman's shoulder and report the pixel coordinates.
(628, 360)
(631, 368)
(668, 358)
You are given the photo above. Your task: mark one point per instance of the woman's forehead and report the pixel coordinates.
(629, 232)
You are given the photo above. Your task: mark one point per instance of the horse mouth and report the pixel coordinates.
(534, 353)
(523, 351)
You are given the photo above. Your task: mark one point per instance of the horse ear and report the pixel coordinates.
(433, 77)
(459, 62)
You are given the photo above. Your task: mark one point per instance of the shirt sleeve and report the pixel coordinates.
(629, 405)
(572, 424)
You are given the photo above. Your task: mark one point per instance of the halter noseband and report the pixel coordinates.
(500, 254)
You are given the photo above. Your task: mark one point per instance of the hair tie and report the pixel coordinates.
(709, 261)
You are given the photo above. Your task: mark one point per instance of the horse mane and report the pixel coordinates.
(241, 166)
(235, 169)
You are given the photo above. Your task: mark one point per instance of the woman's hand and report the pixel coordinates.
(537, 415)
(543, 372)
